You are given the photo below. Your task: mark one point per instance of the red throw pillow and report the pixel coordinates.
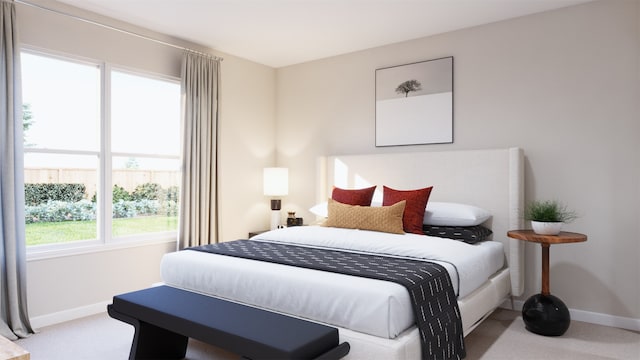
(415, 208)
(360, 197)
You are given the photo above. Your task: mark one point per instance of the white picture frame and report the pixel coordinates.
(414, 103)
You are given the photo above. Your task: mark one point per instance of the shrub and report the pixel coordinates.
(41, 193)
(169, 208)
(172, 193)
(56, 211)
(124, 209)
(146, 199)
(148, 191)
(127, 209)
(119, 193)
(147, 207)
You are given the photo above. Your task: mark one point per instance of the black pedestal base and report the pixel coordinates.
(546, 315)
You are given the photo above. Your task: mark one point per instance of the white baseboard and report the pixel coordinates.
(589, 317)
(67, 315)
(605, 319)
(72, 314)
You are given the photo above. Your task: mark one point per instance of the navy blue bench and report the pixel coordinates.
(165, 318)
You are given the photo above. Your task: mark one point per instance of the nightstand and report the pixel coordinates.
(254, 233)
(543, 313)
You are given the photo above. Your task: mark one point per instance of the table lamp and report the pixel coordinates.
(276, 183)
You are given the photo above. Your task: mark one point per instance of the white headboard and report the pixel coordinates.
(491, 179)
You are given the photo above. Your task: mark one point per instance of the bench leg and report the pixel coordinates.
(152, 342)
(337, 352)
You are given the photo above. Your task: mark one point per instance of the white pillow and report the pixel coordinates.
(320, 209)
(454, 214)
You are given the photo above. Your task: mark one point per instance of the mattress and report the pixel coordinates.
(369, 306)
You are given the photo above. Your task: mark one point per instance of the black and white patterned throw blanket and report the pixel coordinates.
(429, 285)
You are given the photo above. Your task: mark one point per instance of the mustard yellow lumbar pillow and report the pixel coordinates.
(385, 218)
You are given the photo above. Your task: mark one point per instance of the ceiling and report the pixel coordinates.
(278, 33)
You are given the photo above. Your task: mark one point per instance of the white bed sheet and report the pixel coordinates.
(374, 307)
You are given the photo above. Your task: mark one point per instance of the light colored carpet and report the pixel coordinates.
(501, 336)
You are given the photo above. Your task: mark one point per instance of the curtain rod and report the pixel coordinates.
(116, 29)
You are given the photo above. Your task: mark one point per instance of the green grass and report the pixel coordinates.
(67, 231)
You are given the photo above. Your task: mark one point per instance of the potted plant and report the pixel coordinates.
(548, 216)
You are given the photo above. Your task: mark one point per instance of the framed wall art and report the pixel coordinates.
(414, 103)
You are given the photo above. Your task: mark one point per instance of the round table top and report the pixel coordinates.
(562, 238)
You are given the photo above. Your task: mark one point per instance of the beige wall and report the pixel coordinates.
(562, 85)
(247, 144)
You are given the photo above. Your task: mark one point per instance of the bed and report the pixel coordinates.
(374, 315)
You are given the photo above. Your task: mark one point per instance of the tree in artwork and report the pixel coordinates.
(408, 86)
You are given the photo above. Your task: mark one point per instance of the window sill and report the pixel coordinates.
(93, 247)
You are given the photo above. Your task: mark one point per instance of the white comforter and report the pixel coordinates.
(370, 306)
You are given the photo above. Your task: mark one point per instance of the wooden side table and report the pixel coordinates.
(544, 313)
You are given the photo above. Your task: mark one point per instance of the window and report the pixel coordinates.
(101, 157)
(144, 148)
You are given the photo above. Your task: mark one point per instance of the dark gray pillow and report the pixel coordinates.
(468, 234)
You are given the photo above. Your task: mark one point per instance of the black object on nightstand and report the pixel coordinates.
(254, 233)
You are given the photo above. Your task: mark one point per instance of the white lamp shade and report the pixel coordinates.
(276, 181)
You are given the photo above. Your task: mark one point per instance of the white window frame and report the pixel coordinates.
(104, 240)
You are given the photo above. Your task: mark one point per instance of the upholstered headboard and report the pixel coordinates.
(491, 179)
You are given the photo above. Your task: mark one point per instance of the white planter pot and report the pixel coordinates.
(546, 228)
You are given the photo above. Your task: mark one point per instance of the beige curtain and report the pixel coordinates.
(14, 321)
(198, 201)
